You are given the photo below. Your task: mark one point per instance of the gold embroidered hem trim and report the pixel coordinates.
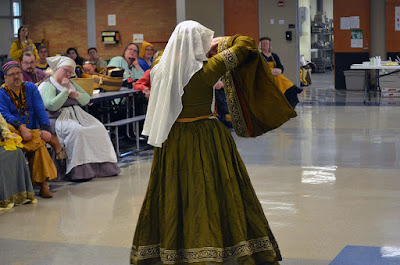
(205, 254)
(19, 198)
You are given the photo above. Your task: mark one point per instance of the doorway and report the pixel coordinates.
(316, 39)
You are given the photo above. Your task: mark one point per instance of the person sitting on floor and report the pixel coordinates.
(129, 62)
(146, 55)
(89, 149)
(43, 54)
(22, 107)
(16, 181)
(29, 70)
(285, 85)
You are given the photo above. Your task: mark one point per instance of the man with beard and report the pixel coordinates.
(29, 70)
(22, 107)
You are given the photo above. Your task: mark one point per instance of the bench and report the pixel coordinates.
(117, 124)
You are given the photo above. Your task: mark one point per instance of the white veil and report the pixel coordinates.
(182, 58)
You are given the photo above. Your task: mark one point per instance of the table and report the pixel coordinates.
(110, 95)
(124, 92)
(367, 68)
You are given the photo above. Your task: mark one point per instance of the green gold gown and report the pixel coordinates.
(200, 206)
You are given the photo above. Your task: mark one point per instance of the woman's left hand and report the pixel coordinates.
(276, 71)
(214, 47)
(73, 94)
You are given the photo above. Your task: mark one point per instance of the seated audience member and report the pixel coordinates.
(221, 105)
(43, 54)
(29, 70)
(89, 149)
(143, 84)
(16, 184)
(74, 55)
(146, 55)
(285, 85)
(89, 68)
(93, 57)
(22, 44)
(22, 107)
(129, 62)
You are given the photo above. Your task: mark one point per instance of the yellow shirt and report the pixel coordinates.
(17, 49)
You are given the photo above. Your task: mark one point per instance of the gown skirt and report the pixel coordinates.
(200, 206)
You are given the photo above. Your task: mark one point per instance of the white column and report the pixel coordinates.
(91, 22)
(180, 11)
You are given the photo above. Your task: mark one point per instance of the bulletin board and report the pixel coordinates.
(392, 27)
(343, 9)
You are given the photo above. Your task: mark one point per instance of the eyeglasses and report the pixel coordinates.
(29, 63)
(149, 50)
(132, 50)
(68, 72)
(14, 74)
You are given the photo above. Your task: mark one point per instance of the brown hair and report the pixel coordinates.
(123, 54)
(27, 54)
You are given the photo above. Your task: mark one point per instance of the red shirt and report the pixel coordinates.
(143, 82)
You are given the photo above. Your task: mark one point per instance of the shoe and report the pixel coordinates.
(45, 191)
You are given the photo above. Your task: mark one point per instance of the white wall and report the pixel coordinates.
(305, 38)
(212, 18)
(286, 50)
(6, 27)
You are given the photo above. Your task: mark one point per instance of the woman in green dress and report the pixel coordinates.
(200, 207)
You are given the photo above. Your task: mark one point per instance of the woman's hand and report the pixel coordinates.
(135, 63)
(214, 47)
(276, 71)
(73, 94)
(146, 92)
(65, 83)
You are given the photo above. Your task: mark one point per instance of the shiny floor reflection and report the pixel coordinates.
(327, 179)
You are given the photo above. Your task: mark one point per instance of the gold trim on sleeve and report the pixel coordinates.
(230, 58)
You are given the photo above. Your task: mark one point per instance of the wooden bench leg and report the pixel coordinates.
(117, 142)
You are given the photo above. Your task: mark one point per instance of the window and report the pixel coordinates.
(16, 10)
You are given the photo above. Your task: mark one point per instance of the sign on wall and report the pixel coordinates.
(397, 18)
(356, 38)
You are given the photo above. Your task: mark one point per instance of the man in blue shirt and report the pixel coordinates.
(22, 107)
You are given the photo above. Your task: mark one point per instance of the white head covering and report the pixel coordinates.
(59, 61)
(182, 58)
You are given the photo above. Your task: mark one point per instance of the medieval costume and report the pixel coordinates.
(25, 108)
(90, 152)
(16, 184)
(200, 206)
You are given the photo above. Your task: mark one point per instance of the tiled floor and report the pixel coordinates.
(328, 179)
